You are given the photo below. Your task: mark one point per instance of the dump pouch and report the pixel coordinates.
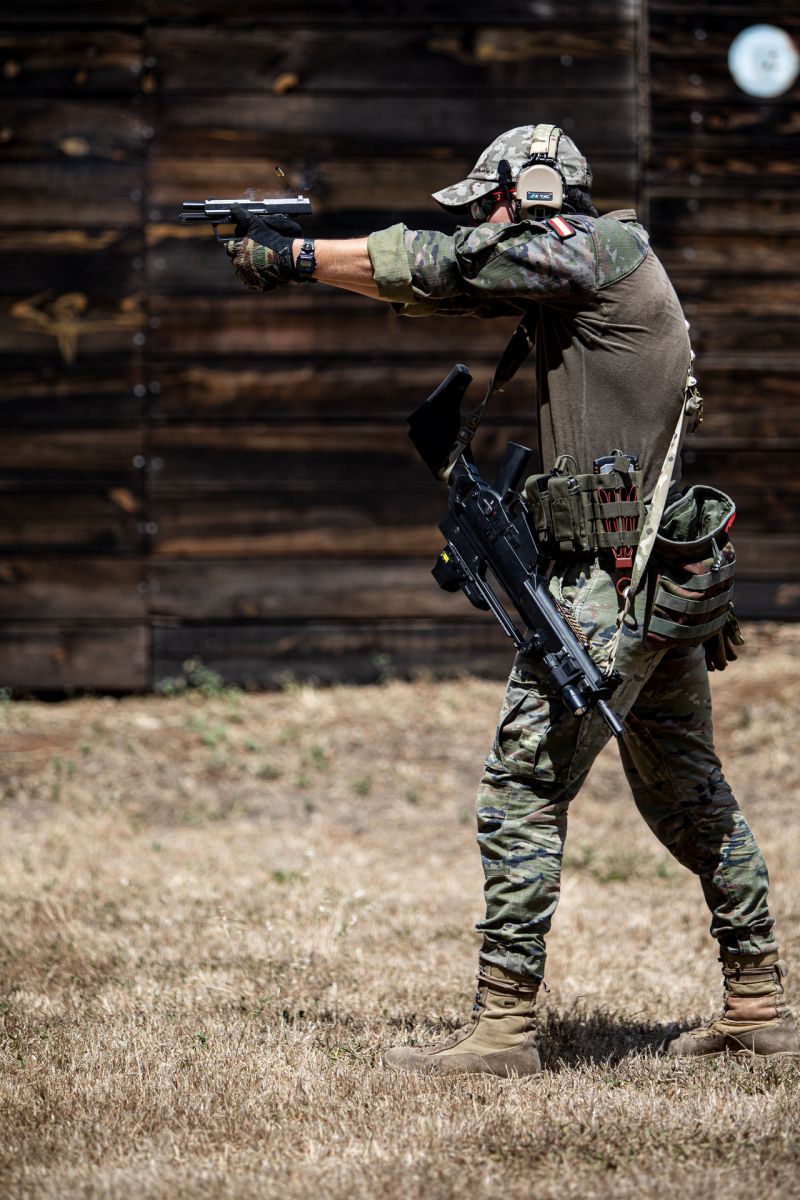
(692, 566)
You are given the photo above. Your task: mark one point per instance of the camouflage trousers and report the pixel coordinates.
(542, 755)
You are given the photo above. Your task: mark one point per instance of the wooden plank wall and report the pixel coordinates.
(223, 475)
(722, 188)
(189, 470)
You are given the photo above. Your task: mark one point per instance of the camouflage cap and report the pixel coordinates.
(513, 145)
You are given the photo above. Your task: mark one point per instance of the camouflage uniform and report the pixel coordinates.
(611, 361)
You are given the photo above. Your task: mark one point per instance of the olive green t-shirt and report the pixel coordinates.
(611, 348)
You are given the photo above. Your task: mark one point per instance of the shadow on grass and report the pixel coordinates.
(568, 1038)
(577, 1036)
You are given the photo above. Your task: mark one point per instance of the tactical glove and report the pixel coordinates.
(720, 648)
(262, 250)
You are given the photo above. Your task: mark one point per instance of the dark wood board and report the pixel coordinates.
(367, 58)
(69, 327)
(264, 655)
(754, 404)
(102, 263)
(725, 128)
(92, 13)
(109, 522)
(48, 396)
(96, 62)
(385, 389)
(705, 36)
(72, 194)
(56, 657)
(38, 128)
(194, 327)
(230, 589)
(536, 13)
(76, 589)
(56, 460)
(302, 589)
(697, 216)
(252, 123)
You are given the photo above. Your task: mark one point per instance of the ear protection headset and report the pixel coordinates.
(540, 183)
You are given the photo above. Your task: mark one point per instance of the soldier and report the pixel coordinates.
(611, 358)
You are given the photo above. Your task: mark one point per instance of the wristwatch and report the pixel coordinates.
(306, 264)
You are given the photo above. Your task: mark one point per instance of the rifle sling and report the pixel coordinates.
(517, 349)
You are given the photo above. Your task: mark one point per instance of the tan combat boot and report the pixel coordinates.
(500, 1039)
(754, 1019)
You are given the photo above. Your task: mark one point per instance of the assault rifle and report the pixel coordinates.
(218, 212)
(487, 530)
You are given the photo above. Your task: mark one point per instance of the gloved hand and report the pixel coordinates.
(262, 249)
(719, 648)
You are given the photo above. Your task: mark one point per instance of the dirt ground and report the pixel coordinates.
(217, 908)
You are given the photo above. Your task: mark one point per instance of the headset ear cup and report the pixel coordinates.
(540, 186)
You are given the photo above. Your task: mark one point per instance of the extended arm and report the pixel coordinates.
(344, 263)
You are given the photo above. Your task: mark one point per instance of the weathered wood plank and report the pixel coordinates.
(348, 589)
(300, 458)
(54, 657)
(76, 589)
(262, 655)
(252, 123)
(335, 325)
(305, 589)
(701, 215)
(104, 263)
(68, 327)
(74, 194)
(734, 128)
(93, 13)
(536, 13)
(760, 601)
(385, 389)
(72, 459)
(373, 59)
(98, 523)
(722, 169)
(694, 80)
(48, 397)
(93, 62)
(742, 255)
(707, 296)
(753, 405)
(258, 525)
(35, 129)
(705, 36)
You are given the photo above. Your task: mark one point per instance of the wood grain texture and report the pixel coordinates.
(253, 123)
(78, 589)
(93, 62)
(61, 656)
(263, 655)
(103, 523)
(535, 14)
(278, 519)
(367, 59)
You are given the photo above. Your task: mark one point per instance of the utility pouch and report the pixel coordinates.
(692, 567)
(574, 513)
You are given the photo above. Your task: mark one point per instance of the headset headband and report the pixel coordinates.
(544, 140)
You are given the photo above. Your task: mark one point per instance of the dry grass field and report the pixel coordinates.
(217, 908)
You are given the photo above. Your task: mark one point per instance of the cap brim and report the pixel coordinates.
(460, 195)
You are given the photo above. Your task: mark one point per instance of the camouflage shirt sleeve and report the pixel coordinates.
(491, 270)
